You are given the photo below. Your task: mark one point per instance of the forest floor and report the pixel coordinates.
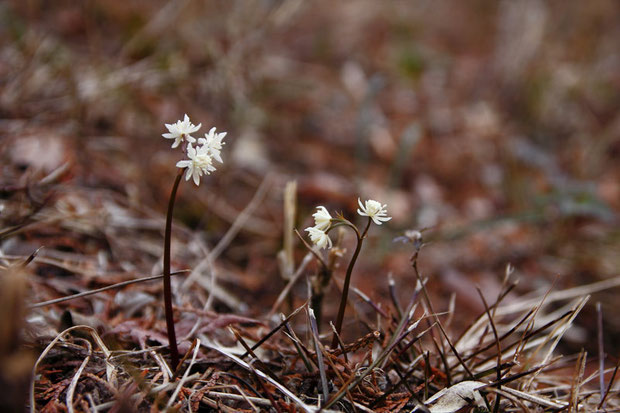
(493, 128)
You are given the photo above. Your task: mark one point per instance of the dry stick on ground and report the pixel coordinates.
(99, 290)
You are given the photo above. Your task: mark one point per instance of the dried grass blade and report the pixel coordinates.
(558, 333)
(371, 303)
(576, 384)
(402, 381)
(340, 342)
(601, 349)
(609, 386)
(249, 399)
(511, 348)
(51, 345)
(534, 399)
(249, 350)
(499, 350)
(185, 375)
(580, 291)
(276, 329)
(246, 366)
(393, 295)
(76, 377)
(429, 305)
(319, 354)
(31, 257)
(378, 361)
(286, 257)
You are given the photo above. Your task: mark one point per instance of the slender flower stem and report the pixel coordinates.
(172, 337)
(347, 280)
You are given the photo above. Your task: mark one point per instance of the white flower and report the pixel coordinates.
(180, 131)
(199, 162)
(319, 238)
(322, 219)
(373, 210)
(214, 142)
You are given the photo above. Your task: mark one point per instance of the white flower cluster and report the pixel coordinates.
(318, 233)
(323, 220)
(200, 157)
(181, 131)
(373, 210)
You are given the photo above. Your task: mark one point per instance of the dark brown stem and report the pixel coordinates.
(347, 280)
(172, 337)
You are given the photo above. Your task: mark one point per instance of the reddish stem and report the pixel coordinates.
(347, 280)
(172, 337)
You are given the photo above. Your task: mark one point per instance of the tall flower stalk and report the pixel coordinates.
(199, 163)
(172, 337)
(319, 235)
(347, 280)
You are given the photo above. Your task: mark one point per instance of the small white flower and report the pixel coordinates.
(322, 219)
(199, 163)
(319, 238)
(181, 130)
(373, 210)
(214, 142)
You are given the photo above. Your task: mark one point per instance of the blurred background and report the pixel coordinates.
(495, 125)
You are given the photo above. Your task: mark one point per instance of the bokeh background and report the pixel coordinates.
(494, 125)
